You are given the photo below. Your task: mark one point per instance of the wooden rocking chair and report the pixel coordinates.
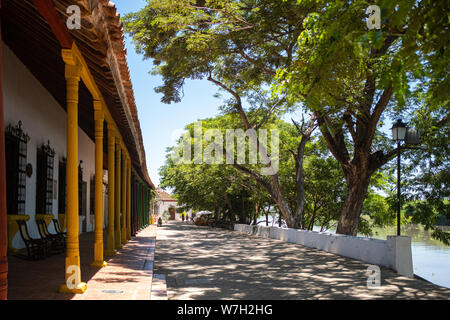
(58, 228)
(36, 248)
(56, 241)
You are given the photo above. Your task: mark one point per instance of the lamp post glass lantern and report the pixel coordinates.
(399, 130)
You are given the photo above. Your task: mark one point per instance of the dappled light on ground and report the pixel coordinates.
(204, 263)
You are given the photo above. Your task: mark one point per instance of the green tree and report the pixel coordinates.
(315, 54)
(215, 187)
(352, 77)
(427, 177)
(238, 46)
(325, 187)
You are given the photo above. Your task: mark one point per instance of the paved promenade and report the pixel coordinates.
(203, 263)
(128, 275)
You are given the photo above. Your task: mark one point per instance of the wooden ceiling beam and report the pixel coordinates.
(48, 11)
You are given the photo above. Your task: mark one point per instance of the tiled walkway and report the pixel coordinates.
(127, 276)
(201, 263)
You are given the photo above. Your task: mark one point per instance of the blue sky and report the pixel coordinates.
(160, 121)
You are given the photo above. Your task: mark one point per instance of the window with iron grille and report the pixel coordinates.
(62, 187)
(80, 190)
(44, 179)
(16, 162)
(92, 195)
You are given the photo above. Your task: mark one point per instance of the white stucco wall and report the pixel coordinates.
(26, 99)
(394, 253)
(165, 205)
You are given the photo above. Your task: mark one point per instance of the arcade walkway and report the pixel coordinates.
(203, 263)
(128, 275)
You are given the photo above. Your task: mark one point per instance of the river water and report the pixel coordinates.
(431, 258)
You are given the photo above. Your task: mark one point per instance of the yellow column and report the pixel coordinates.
(129, 200)
(98, 202)
(73, 282)
(110, 251)
(124, 198)
(118, 195)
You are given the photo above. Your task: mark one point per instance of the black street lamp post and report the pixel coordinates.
(399, 134)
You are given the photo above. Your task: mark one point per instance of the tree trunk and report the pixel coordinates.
(300, 185)
(293, 219)
(299, 176)
(285, 210)
(362, 128)
(231, 213)
(311, 223)
(358, 184)
(216, 213)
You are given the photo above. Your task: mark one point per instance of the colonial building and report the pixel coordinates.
(71, 146)
(164, 204)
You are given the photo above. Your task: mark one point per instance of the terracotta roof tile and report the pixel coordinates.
(164, 196)
(102, 40)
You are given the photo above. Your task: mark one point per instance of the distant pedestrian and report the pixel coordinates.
(182, 217)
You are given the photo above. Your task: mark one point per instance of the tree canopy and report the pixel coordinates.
(270, 57)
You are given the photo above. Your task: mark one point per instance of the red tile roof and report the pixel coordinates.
(164, 196)
(101, 40)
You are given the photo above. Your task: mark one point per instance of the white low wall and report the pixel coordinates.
(394, 253)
